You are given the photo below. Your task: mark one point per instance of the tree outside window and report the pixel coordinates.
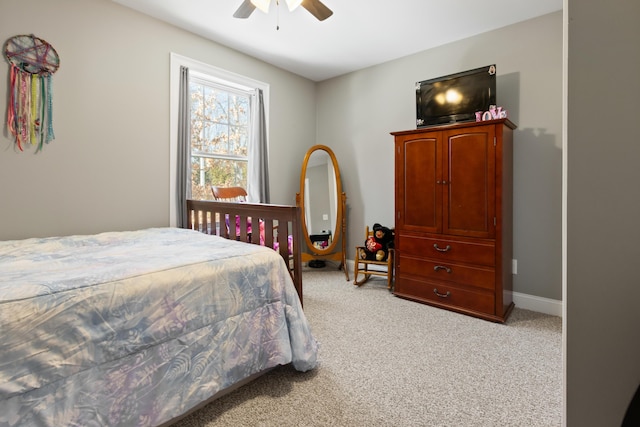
(220, 119)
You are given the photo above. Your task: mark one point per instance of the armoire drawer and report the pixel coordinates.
(483, 253)
(436, 270)
(445, 295)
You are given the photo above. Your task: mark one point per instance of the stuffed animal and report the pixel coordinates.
(376, 247)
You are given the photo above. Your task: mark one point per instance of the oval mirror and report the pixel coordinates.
(322, 204)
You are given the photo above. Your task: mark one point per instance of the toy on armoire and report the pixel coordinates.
(376, 247)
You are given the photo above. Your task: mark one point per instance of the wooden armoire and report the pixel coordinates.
(453, 205)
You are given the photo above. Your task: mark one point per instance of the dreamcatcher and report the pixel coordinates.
(29, 112)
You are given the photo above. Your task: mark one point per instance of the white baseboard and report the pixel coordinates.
(539, 304)
(528, 302)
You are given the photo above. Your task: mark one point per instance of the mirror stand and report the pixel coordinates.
(322, 206)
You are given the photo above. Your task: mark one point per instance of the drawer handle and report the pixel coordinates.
(435, 245)
(441, 267)
(435, 291)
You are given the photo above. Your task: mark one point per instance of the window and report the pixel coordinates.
(220, 127)
(221, 148)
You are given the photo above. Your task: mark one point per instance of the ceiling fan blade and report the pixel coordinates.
(245, 10)
(317, 9)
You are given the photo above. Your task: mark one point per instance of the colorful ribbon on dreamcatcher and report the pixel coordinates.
(29, 110)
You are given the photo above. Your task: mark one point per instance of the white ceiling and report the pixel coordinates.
(360, 33)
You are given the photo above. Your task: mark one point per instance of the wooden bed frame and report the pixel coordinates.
(280, 221)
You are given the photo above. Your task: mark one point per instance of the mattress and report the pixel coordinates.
(136, 328)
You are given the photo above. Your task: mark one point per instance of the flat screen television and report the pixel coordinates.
(456, 97)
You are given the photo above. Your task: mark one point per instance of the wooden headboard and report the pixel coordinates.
(280, 221)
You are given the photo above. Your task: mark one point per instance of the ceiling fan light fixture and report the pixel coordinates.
(314, 7)
(263, 5)
(293, 4)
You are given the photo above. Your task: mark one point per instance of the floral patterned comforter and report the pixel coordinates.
(135, 328)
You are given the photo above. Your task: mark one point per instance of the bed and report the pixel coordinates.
(279, 227)
(138, 328)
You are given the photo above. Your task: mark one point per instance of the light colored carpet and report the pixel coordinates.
(385, 361)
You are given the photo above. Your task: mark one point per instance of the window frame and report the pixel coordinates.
(215, 75)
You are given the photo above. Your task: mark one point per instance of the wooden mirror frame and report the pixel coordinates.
(331, 252)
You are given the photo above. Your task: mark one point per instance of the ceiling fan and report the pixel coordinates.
(315, 7)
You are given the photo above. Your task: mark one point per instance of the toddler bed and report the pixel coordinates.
(137, 328)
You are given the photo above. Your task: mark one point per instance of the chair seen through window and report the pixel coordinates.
(229, 194)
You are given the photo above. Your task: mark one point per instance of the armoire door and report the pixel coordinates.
(418, 182)
(470, 174)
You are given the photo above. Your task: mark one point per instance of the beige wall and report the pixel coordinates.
(602, 321)
(357, 111)
(108, 168)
